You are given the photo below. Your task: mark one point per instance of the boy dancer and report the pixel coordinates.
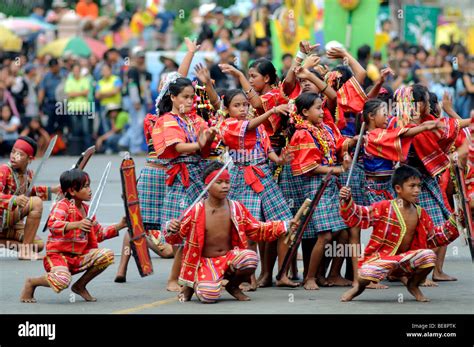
(72, 246)
(217, 231)
(403, 237)
(15, 178)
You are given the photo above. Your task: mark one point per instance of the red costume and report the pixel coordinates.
(381, 256)
(11, 185)
(243, 227)
(73, 251)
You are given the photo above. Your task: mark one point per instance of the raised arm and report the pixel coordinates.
(252, 95)
(290, 80)
(204, 76)
(340, 53)
(326, 89)
(255, 122)
(188, 58)
(374, 92)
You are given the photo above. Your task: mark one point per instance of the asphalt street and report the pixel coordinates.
(149, 296)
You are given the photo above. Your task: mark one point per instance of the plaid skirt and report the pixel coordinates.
(289, 186)
(357, 184)
(326, 214)
(151, 188)
(264, 206)
(431, 199)
(378, 191)
(178, 198)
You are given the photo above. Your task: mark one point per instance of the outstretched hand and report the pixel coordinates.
(336, 53)
(307, 48)
(385, 73)
(202, 73)
(191, 45)
(229, 69)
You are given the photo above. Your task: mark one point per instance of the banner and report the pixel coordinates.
(420, 24)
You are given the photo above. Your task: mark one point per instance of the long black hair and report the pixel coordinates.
(175, 88)
(265, 68)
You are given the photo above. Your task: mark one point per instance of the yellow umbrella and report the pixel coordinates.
(9, 42)
(54, 48)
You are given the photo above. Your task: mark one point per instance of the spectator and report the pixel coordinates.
(109, 142)
(47, 98)
(6, 97)
(222, 80)
(31, 100)
(113, 59)
(170, 65)
(138, 101)
(9, 126)
(262, 49)
(108, 91)
(77, 90)
(18, 89)
(373, 74)
(468, 79)
(404, 76)
(287, 60)
(87, 8)
(36, 131)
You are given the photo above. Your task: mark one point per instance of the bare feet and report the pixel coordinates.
(237, 293)
(120, 279)
(173, 286)
(286, 282)
(27, 295)
(352, 293)
(428, 283)
(310, 284)
(339, 281)
(82, 291)
(323, 282)
(375, 285)
(442, 277)
(416, 292)
(404, 280)
(264, 281)
(186, 294)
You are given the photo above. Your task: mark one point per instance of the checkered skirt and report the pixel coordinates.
(326, 214)
(178, 198)
(378, 191)
(432, 201)
(264, 206)
(151, 188)
(357, 184)
(289, 186)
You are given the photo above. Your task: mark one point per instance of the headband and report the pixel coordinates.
(25, 147)
(224, 175)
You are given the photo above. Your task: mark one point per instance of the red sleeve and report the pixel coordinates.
(262, 231)
(6, 201)
(306, 155)
(440, 235)
(388, 144)
(271, 99)
(361, 216)
(58, 218)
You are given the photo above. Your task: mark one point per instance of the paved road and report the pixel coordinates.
(148, 295)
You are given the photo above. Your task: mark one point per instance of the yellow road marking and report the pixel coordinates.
(146, 306)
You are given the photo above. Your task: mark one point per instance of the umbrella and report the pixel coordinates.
(83, 47)
(25, 25)
(9, 42)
